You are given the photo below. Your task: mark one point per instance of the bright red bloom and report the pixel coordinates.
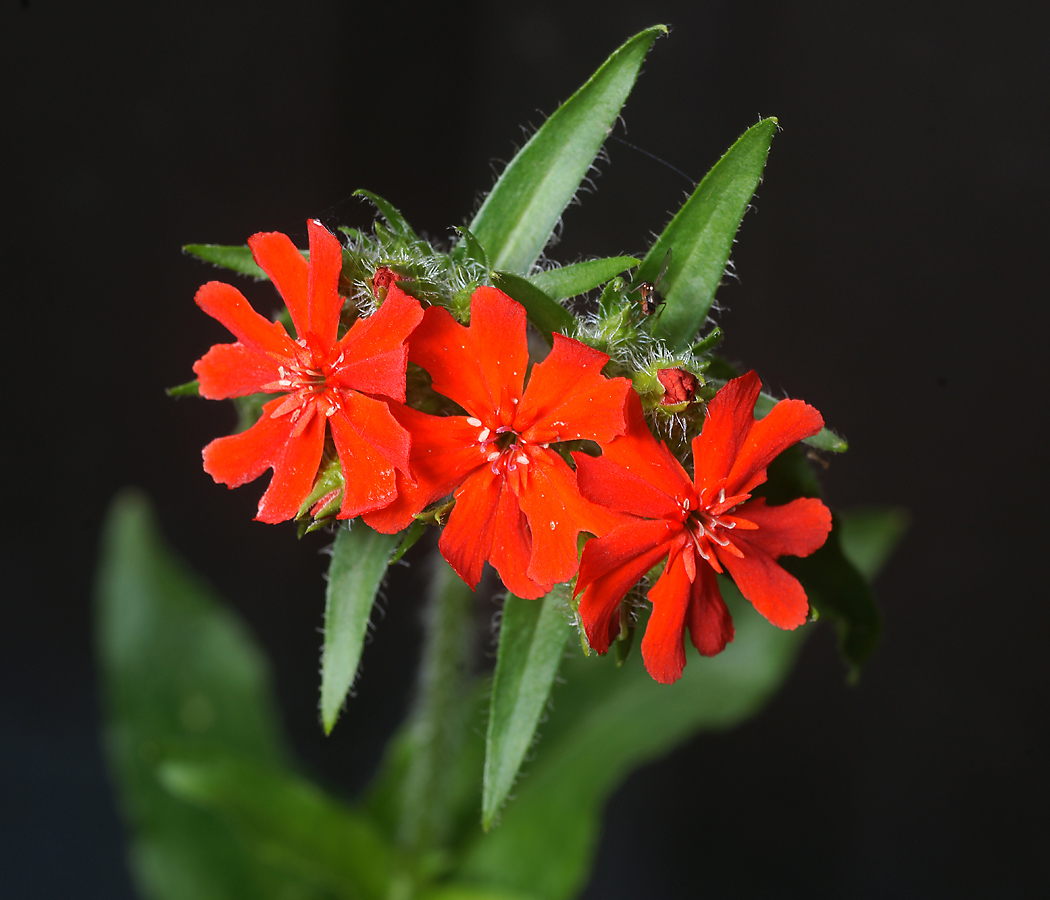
(517, 503)
(701, 526)
(319, 378)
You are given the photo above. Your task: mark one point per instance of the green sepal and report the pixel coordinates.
(517, 218)
(708, 342)
(396, 222)
(189, 389)
(578, 278)
(701, 236)
(469, 248)
(531, 642)
(359, 561)
(546, 313)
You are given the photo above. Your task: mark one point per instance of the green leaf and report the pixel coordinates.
(454, 891)
(289, 820)
(517, 218)
(359, 562)
(837, 590)
(178, 669)
(701, 236)
(605, 722)
(547, 314)
(532, 640)
(189, 389)
(397, 222)
(825, 439)
(237, 259)
(578, 278)
(869, 536)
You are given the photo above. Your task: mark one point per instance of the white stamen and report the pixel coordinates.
(722, 496)
(493, 455)
(524, 460)
(483, 434)
(474, 423)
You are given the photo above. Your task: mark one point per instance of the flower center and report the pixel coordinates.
(306, 382)
(705, 525)
(502, 448)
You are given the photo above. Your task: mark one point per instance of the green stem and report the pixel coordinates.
(440, 717)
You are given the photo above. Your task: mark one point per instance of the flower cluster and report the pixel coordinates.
(504, 448)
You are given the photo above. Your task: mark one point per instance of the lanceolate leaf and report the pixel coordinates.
(290, 820)
(604, 723)
(237, 259)
(531, 643)
(178, 669)
(838, 591)
(359, 562)
(547, 314)
(578, 278)
(701, 236)
(517, 218)
(869, 536)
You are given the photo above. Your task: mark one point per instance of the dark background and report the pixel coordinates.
(892, 274)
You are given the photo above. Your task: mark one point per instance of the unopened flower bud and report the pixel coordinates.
(679, 386)
(381, 280)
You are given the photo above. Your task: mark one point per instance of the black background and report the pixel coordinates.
(892, 274)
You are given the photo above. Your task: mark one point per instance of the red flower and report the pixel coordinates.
(701, 527)
(319, 379)
(517, 503)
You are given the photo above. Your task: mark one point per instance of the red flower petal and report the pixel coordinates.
(710, 625)
(293, 473)
(729, 419)
(638, 452)
(603, 482)
(227, 304)
(368, 475)
(772, 591)
(323, 301)
(556, 513)
(374, 351)
(512, 548)
(467, 539)
(787, 423)
(797, 528)
(444, 348)
(497, 329)
(374, 424)
(233, 370)
(444, 453)
(240, 458)
(278, 257)
(663, 647)
(568, 398)
(610, 566)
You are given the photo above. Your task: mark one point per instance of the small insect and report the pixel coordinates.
(646, 290)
